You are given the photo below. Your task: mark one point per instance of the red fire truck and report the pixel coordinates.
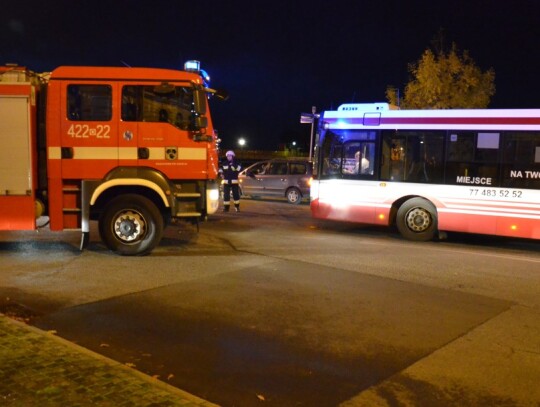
(133, 148)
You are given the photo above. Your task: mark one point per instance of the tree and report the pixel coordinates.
(441, 80)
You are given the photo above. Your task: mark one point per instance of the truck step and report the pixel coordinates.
(188, 214)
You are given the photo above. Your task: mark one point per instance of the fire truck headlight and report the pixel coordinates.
(213, 194)
(212, 200)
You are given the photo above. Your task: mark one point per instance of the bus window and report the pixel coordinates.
(472, 156)
(348, 154)
(358, 158)
(520, 164)
(413, 156)
(331, 156)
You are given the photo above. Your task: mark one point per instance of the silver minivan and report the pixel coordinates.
(289, 178)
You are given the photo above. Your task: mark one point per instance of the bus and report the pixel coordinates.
(429, 171)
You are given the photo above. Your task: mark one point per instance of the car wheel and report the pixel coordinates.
(294, 196)
(417, 219)
(131, 225)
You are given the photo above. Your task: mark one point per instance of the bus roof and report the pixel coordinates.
(382, 115)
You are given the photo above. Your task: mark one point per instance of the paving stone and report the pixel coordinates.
(38, 368)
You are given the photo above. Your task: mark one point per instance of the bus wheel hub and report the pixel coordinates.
(418, 220)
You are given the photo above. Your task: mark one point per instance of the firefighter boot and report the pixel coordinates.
(225, 208)
(237, 207)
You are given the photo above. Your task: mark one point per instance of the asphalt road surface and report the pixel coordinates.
(271, 307)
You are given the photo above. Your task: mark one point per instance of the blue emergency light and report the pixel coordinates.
(192, 66)
(195, 66)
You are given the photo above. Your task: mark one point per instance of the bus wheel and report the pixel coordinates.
(131, 225)
(294, 196)
(417, 220)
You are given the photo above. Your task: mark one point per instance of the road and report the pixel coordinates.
(269, 306)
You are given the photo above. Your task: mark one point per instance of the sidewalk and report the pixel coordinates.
(40, 369)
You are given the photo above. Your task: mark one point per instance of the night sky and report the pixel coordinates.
(278, 59)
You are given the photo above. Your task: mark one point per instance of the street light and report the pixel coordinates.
(241, 142)
(293, 148)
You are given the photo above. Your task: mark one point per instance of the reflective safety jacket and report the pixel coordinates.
(229, 171)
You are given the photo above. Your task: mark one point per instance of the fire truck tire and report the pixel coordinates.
(131, 225)
(417, 220)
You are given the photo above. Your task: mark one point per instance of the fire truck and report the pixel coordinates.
(132, 148)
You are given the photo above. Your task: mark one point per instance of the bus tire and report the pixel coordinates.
(416, 220)
(131, 225)
(294, 196)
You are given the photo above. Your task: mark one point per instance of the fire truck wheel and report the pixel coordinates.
(417, 219)
(131, 225)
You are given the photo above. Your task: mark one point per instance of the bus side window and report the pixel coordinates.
(397, 160)
(520, 165)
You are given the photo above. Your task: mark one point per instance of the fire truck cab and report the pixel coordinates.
(133, 148)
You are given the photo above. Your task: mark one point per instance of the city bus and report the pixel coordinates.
(429, 171)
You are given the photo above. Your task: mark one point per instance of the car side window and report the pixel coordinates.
(298, 169)
(277, 169)
(259, 168)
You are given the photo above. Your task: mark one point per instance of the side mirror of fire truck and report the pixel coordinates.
(200, 122)
(221, 94)
(199, 101)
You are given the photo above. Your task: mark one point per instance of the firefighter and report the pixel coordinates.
(229, 170)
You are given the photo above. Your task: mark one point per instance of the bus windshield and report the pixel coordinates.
(348, 153)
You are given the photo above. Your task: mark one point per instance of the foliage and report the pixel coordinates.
(441, 80)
